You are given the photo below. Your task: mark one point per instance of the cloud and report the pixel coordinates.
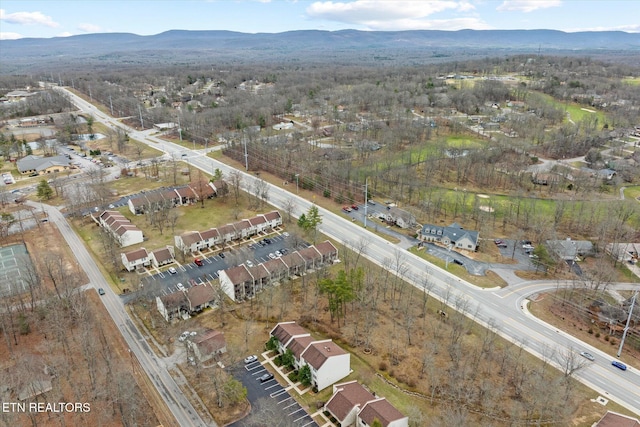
(631, 28)
(527, 5)
(10, 36)
(89, 28)
(28, 18)
(394, 15)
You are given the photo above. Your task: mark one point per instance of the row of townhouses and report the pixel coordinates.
(142, 258)
(186, 303)
(156, 200)
(125, 232)
(243, 282)
(193, 241)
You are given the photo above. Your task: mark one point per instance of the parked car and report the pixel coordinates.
(587, 355)
(100, 291)
(284, 251)
(619, 365)
(250, 359)
(457, 261)
(498, 241)
(354, 207)
(285, 234)
(198, 262)
(371, 202)
(249, 263)
(347, 209)
(272, 256)
(183, 336)
(221, 254)
(266, 377)
(278, 254)
(502, 245)
(172, 270)
(180, 286)
(267, 241)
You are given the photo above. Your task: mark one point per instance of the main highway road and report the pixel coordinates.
(503, 309)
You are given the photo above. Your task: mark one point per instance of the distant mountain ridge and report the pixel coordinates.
(292, 43)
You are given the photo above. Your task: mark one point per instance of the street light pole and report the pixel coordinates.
(246, 156)
(297, 185)
(626, 328)
(366, 200)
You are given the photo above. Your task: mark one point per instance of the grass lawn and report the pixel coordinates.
(632, 192)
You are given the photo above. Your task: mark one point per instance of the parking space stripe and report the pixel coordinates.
(289, 406)
(309, 423)
(272, 386)
(298, 410)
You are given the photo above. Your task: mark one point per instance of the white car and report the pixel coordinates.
(180, 287)
(278, 254)
(285, 234)
(272, 256)
(183, 336)
(249, 263)
(250, 359)
(172, 270)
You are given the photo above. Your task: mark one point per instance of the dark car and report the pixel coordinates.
(457, 261)
(266, 377)
(198, 262)
(619, 365)
(221, 254)
(354, 207)
(100, 291)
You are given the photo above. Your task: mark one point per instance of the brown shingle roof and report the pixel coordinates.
(346, 397)
(210, 342)
(211, 233)
(382, 410)
(613, 419)
(270, 216)
(309, 254)
(174, 300)
(226, 229)
(191, 237)
(293, 260)
(318, 353)
(136, 255)
(286, 330)
(239, 274)
(242, 225)
(259, 272)
(201, 294)
(299, 344)
(162, 255)
(275, 266)
(326, 248)
(257, 220)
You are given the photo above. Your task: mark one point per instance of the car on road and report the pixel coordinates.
(527, 247)
(587, 355)
(354, 207)
(198, 262)
(498, 241)
(347, 209)
(100, 291)
(180, 286)
(502, 245)
(266, 377)
(371, 202)
(172, 270)
(619, 365)
(249, 263)
(250, 359)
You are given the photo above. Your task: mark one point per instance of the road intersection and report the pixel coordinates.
(503, 309)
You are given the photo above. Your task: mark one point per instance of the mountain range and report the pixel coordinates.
(179, 45)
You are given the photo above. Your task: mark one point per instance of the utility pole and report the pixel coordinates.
(111, 105)
(297, 186)
(246, 155)
(626, 328)
(141, 121)
(366, 200)
(179, 129)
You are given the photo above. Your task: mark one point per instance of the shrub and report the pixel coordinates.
(590, 331)
(293, 376)
(597, 334)
(606, 338)
(326, 193)
(383, 366)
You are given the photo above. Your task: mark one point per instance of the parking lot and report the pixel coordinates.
(268, 398)
(190, 274)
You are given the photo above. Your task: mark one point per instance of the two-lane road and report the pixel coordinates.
(506, 312)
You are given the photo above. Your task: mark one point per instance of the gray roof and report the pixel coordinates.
(38, 163)
(568, 249)
(454, 232)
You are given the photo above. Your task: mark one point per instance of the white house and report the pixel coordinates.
(400, 217)
(453, 235)
(134, 259)
(120, 227)
(162, 256)
(328, 362)
(284, 332)
(189, 241)
(347, 400)
(383, 411)
(208, 345)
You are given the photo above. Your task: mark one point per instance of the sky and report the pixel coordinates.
(61, 18)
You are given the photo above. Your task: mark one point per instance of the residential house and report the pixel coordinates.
(277, 270)
(614, 419)
(227, 233)
(312, 258)
(186, 196)
(400, 217)
(606, 174)
(243, 229)
(237, 282)
(382, 411)
(568, 249)
(220, 188)
(347, 400)
(203, 190)
(191, 241)
(258, 223)
(125, 233)
(328, 362)
(173, 306)
(200, 297)
(208, 345)
(154, 201)
(546, 178)
(37, 165)
(273, 218)
(260, 279)
(135, 259)
(453, 235)
(328, 252)
(162, 256)
(284, 332)
(210, 237)
(295, 263)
